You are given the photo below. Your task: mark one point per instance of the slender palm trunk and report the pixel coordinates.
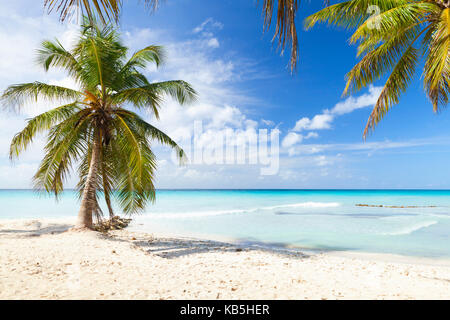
(106, 189)
(108, 203)
(89, 199)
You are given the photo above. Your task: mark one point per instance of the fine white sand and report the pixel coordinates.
(40, 260)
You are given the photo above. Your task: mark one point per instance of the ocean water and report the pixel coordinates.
(312, 219)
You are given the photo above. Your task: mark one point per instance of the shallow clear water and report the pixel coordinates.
(316, 219)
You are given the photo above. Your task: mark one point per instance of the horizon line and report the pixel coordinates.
(258, 189)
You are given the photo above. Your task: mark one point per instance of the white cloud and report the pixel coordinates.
(352, 103)
(312, 135)
(269, 123)
(325, 119)
(318, 122)
(322, 161)
(209, 23)
(21, 36)
(206, 32)
(291, 138)
(307, 149)
(213, 43)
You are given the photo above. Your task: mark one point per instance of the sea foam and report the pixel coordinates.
(411, 229)
(199, 214)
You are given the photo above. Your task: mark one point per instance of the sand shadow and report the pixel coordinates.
(36, 232)
(435, 278)
(170, 248)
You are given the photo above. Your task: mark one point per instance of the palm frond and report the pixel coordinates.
(40, 124)
(350, 14)
(136, 163)
(140, 58)
(179, 90)
(18, 95)
(395, 85)
(140, 98)
(393, 20)
(387, 41)
(105, 10)
(54, 55)
(286, 30)
(65, 145)
(151, 132)
(437, 65)
(379, 61)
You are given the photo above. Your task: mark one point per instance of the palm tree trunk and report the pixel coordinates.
(108, 203)
(106, 190)
(89, 199)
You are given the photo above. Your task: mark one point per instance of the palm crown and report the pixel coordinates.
(393, 43)
(94, 131)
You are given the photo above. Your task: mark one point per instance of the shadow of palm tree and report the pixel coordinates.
(170, 248)
(36, 232)
(435, 278)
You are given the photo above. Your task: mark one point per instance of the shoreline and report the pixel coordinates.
(377, 256)
(363, 255)
(42, 261)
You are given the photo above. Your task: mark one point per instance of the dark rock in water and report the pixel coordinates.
(384, 206)
(281, 213)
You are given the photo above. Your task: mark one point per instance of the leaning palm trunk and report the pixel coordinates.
(89, 197)
(108, 203)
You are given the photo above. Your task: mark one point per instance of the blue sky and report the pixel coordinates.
(244, 84)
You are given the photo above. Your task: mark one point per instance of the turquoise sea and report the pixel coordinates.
(314, 219)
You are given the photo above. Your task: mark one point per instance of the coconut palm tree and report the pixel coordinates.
(286, 11)
(392, 43)
(93, 130)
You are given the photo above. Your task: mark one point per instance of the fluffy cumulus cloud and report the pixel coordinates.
(318, 122)
(325, 119)
(208, 25)
(206, 29)
(291, 138)
(353, 103)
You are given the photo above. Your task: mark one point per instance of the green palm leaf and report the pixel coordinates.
(388, 43)
(18, 95)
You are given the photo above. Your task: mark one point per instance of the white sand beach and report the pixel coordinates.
(41, 260)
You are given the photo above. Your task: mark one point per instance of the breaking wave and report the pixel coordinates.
(199, 214)
(411, 229)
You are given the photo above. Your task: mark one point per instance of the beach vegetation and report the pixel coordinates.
(93, 131)
(392, 40)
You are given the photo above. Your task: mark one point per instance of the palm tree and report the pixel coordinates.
(392, 43)
(286, 11)
(93, 130)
